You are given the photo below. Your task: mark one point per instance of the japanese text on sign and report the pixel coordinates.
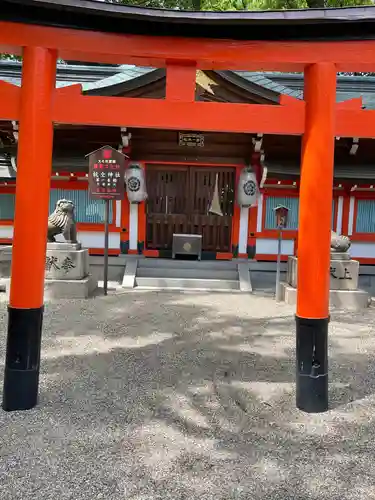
(191, 140)
(345, 276)
(106, 174)
(52, 263)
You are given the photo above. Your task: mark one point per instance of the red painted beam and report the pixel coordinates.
(355, 123)
(207, 53)
(355, 103)
(287, 100)
(72, 107)
(181, 80)
(9, 101)
(69, 107)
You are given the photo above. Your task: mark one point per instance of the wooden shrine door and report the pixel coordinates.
(179, 199)
(167, 212)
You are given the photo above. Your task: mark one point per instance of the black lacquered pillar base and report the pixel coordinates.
(21, 377)
(312, 365)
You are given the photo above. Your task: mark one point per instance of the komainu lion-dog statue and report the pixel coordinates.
(339, 243)
(62, 221)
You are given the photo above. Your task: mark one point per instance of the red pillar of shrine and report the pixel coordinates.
(25, 311)
(314, 234)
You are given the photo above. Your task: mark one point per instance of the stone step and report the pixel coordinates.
(191, 273)
(187, 283)
(186, 264)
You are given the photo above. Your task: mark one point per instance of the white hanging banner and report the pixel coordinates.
(215, 207)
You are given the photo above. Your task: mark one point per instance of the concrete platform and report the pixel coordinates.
(70, 289)
(62, 289)
(354, 300)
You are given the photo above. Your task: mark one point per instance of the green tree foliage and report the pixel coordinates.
(9, 57)
(222, 5)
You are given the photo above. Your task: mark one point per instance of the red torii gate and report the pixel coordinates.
(38, 104)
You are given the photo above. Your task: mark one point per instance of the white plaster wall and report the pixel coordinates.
(133, 226)
(6, 231)
(260, 214)
(340, 207)
(243, 230)
(268, 246)
(118, 213)
(89, 239)
(95, 239)
(365, 250)
(351, 216)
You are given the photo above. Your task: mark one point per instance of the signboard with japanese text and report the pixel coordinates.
(107, 174)
(191, 140)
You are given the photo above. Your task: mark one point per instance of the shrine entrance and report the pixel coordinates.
(181, 199)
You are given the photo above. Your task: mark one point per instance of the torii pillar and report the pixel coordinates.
(314, 234)
(25, 311)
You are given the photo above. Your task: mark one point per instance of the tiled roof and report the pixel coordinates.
(91, 77)
(129, 74)
(348, 87)
(262, 79)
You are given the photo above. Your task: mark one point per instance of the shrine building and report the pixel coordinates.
(180, 177)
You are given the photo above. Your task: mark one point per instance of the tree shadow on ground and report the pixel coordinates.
(196, 400)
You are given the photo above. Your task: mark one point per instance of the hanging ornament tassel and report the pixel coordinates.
(215, 203)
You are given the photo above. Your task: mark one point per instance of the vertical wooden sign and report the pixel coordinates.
(107, 174)
(106, 182)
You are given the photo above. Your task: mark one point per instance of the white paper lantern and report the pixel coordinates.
(247, 189)
(135, 183)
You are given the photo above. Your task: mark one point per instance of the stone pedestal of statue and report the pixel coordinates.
(5, 261)
(5, 265)
(67, 271)
(344, 292)
(66, 261)
(344, 272)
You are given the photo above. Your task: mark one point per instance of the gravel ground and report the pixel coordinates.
(156, 396)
